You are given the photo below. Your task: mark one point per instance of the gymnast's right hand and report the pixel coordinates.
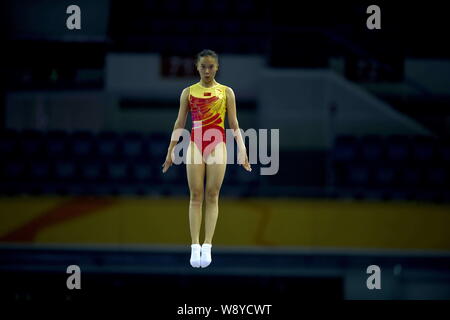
(166, 165)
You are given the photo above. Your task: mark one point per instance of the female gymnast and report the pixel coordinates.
(207, 100)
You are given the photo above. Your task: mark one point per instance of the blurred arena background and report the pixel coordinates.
(86, 117)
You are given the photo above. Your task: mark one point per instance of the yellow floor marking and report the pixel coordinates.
(260, 222)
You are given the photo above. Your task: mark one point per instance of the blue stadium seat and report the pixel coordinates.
(57, 144)
(108, 145)
(372, 148)
(385, 176)
(175, 175)
(91, 170)
(117, 171)
(398, 148)
(65, 170)
(358, 175)
(156, 145)
(40, 170)
(132, 145)
(142, 171)
(82, 144)
(410, 177)
(345, 149)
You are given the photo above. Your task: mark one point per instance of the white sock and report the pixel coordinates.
(195, 255)
(206, 255)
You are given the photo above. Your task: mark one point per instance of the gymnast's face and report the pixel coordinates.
(207, 67)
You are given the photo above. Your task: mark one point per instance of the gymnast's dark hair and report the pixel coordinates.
(207, 53)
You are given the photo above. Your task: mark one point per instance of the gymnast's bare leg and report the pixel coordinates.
(216, 163)
(195, 168)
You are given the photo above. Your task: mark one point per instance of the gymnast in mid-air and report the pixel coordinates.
(206, 156)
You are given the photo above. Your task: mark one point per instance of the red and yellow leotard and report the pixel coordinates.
(208, 107)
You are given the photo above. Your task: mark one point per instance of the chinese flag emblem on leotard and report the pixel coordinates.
(207, 94)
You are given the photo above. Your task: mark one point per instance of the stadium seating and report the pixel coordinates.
(108, 145)
(395, 167)
(82, 144)
(57, 142)
(133, 145)
(81, 162)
